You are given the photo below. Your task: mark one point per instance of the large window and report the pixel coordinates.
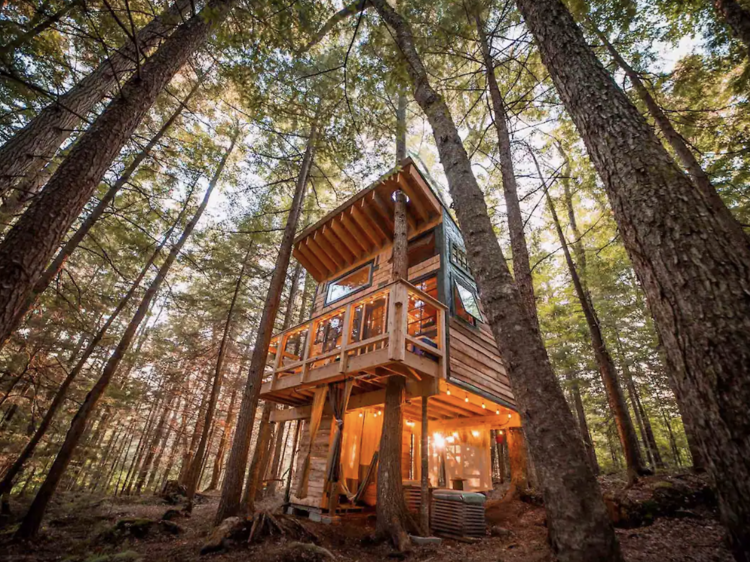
(350, 283)
(466, 302)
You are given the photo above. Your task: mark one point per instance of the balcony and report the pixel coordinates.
(395, 329)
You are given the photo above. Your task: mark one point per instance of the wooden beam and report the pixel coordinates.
(338, 244)
(416, 202)
(385, 212)
(364, 224)
(325, 245)
(319, 253)
(377, 221)
(307, 264)
(305, 250)
(357, 234)
(343, 234)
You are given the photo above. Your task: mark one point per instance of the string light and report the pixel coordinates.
(483, 406)
(448, 392)
(467, 398)
(360, 414)
(497, 411)
(510, 416)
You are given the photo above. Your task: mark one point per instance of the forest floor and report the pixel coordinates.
(663, 518)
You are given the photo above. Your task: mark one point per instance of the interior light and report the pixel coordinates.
(509, 416)
(483, 406)
(439, 440)
(475, 433)
(360, 414)
(497, 411)
(501, 432)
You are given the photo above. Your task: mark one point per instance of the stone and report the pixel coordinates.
(170, 527)
(306, 552)
(501, 532)
(425, 541)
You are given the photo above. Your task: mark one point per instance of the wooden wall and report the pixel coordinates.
(317, 465)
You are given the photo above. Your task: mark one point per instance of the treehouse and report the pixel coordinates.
(368, 325)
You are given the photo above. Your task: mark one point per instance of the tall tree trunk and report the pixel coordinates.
(583, 426)
(577, 519)
(7, 49)
(260, 457)
(519, 249)
(737, 17)
(231, 491)
(57, 263)
(29, 150)
(221, 452)
(401, 127)
(33, 520)
(152, 449)
(607, 369)
(675, 140)
(194, 473)
(693, 263)
(92, 346)
(26, 249)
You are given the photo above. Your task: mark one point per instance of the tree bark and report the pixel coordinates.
(26, 249)
(260, 457)
(519, 462)
(152, 449)
(737, 17)
(33, 520)
(231, 491)
(424, 451)
(607, 369)
(519, 248)
(583, 426)
(675, 140)
(401, 128)
(393, 521)
(222, 450)
(29, 150)
(693, 263)
(579, 526)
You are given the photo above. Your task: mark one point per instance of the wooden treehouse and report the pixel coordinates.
(367, 326)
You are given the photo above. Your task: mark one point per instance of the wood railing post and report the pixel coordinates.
(345, 338)
(306, 352)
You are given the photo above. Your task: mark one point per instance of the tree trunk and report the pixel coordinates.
(737, 17)
(26, 249)
(606, 365)
(583, 426)
(8, 49)
(519, 249)
(231, 491)
(152, 449)
(401, 128)
(33, 520)
(260, 458)
(29, 150)
(57, 263)
(393, 521)
(194, 473)
(92, 346)
(675, 140)
(579, 526)
(693, 263)
(222, 450)
(519, 462)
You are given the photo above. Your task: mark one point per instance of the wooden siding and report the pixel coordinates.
(318, 461)
(474, 360)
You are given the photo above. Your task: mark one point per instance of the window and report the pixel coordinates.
(458, 257)
(422, 316)
(349, 283)
(466, 302)
(421, 249)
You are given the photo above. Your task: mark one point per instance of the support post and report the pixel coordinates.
(424, 506)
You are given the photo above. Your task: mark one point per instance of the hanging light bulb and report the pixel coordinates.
(467, 398)
(360, 414)
(497, 411)
(483, 406)
(510, 416)
(448, 392)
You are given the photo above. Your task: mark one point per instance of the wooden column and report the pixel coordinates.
(518, 458)
(400, 257)
(424, 507)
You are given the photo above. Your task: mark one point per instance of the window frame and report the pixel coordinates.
(455, 281)
(367, 285)
(465, 268)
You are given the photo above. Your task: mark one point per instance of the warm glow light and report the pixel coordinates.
(410, 423)
(448, 392)
(483, 406)
(497, 411)
(455, 434)
(380, 413)
(360, 414)
(439, 440)
(501, 432)
(509, 416)
(467, 398)
(475, 433)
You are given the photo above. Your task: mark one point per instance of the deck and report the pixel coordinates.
(394, 329)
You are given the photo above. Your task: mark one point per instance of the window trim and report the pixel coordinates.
(458, 281)
(460, 267)
(367, 285)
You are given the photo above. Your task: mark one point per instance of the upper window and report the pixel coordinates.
(467, 303)
(349, 283)
(458, 257)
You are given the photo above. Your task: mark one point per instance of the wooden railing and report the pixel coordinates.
(392, 325)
